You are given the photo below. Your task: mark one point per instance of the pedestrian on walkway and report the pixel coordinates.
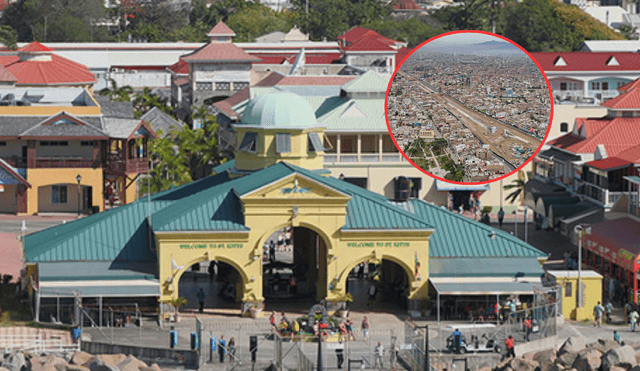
(222, 348)
(232, 350)
(616, 337)
(527, 328)
(379, 353)
(608, 308)
(372, 294)
(633, 318)
(272, 320)
(340, 354)
(598, 310)
(365, 328)
(501, 216)
(627, 311)
(350, 334)
(342, 330)
(293, 285)
(201, 299)
(510, 345)
(212, 271)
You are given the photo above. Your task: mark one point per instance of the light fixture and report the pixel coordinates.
(341, 177)
(295, 211)
(419, 277)
(336, 278)
(253, 278)
(255, 257)
(78, 178)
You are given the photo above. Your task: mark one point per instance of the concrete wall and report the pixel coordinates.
(42, 179)
(187, 358)
(8, 200)
(73, 149)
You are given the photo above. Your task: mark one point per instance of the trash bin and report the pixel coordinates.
(76, 332)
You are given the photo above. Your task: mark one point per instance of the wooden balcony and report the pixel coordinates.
(65, 162)
(134, 165)
(16, 161)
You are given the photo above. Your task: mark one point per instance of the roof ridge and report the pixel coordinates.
(365, 194)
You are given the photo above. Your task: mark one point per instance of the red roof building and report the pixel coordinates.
(220, 53)
(406, 5)
(586, 76)
(38, 65)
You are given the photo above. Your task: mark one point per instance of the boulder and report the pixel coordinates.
(112, 359)
(617, 368)
(100, 365)
(155, 367)
(557, 367)
(485, 368)
(572, 344)
(567, 359)
(588, 360)
(605, 345)
(623, 356)
(543, 356)
(131, 363)
(76, 368)
(15, 361)
(48, 363)
(635, 368)
(523, 364)
(80, 358)
(501, 366)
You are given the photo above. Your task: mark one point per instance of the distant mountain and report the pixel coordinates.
(493, 47)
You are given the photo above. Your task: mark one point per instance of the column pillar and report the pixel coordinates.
(359, 146)
(31, 154)
(338, 144)
(380, 148)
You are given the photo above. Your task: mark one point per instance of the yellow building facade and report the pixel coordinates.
(591, 283)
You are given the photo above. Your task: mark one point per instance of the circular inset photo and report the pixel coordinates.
(469, 107)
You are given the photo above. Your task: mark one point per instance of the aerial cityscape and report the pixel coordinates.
(469, 110)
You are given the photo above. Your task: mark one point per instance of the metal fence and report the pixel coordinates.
(36, 344)
(304, 363)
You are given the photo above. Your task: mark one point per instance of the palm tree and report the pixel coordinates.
(517, 186)
(146, 101)
(118, 94)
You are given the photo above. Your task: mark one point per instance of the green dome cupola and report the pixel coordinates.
(279, 127)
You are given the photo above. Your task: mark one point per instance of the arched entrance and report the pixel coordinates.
(391, 283)
(221, 283)
(295, 266)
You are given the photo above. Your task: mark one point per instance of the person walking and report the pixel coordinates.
(200, 295)
(340, 354)
(365, 328)
(527, 328)
(293, 285)
(633, 318)
(350, 334)
(372, 295)
(272, 252)
(501, 217)
(616, 337)
(232, 350)
(272, 320)
(212, 271)
(222, 348)
(510, 345)
(627, 311)
(608, 308)
(379, 353)
(598, 310)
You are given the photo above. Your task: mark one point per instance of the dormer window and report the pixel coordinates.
(283, 143)
(559, 62)
(249, 142)
(314, 143)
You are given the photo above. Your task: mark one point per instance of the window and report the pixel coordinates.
(240, 85)
(627, 114)
(59, 194)
(360, 182)
(595, 86)
(206, 86)
(564, 127)
(88, 143)
(563, 86)
(2, 143)
(620, 84)
(283, 143)
(53, 143)
(416, 186)
(568, 290)
(249, 142)
(315, 144)
(605, 85)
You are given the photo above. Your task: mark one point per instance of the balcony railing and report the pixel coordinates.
(138, 165)
(16, 161)
(364, 157)
(64, 162)
(381, 70)
(601, 195)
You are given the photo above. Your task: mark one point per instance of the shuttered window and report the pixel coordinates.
(315, 143)
(283, 143)
(249, 142)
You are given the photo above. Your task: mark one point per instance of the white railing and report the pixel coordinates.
(369, 158)
(348, 158)
(330, 158)
(35, 344)
(601, 195)
(376, 69)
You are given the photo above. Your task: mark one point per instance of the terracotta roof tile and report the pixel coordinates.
(631, 99)
(356, 33)
(180, 67)
(628, 87)
(588, 61)
(609, 163)
(35, 46)
(220, 52)
(6, 76)
(58, 70)
(617, 135)
(406, 5)
(221, 29)
(271, 79)
(370, 43)
(632, 154)
(315, 80)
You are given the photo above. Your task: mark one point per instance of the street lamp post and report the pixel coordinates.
(578, 230)
(515, 229)
(526, 221)
(79, 179)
